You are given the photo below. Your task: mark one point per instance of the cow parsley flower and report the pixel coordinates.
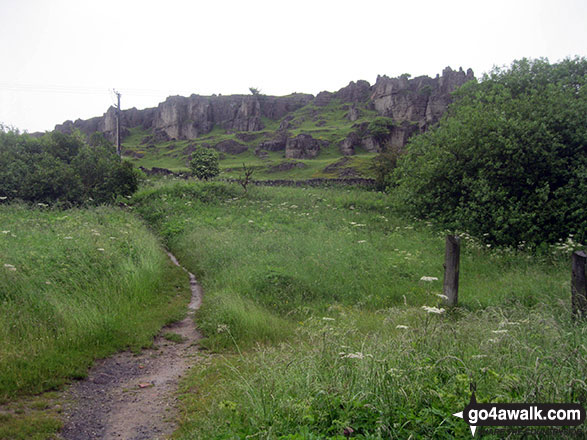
(435, 310)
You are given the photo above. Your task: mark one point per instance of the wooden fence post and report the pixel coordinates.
(578, 284)
(451, 270)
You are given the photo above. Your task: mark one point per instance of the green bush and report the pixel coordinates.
(204, 164)
(508, 163)
(380, 128)
(62, 168)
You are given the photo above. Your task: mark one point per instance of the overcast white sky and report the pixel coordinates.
(60, 58)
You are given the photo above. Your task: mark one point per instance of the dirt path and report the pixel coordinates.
(129, 396)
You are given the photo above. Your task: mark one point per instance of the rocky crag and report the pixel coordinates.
(413, 105)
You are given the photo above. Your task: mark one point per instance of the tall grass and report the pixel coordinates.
(74, 286)
(305, 290)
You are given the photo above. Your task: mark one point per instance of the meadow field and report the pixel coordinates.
(75, 285)
(319, 325)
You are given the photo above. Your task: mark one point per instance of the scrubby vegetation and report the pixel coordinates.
(60, 168)
(204, 164)
(314, 299)
(508, 163)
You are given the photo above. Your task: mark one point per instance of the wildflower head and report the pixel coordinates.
(434, 310)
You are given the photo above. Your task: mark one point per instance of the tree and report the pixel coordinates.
(204, 164)
(383, 165)
(61, 168)
(508, 162)
(245, 179)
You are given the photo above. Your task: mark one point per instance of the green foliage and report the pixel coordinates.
(382, 166)
(380, 128)
(509, 163)
(62, 168)
(204, 164)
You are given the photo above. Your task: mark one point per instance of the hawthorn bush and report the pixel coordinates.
(508, 163)
(61, 168)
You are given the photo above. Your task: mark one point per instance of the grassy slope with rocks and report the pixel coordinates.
(75, 285)
(327, 123)
(314, 311)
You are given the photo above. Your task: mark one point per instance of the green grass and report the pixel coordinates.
(304, 293)
(174, 337)
(77, 285)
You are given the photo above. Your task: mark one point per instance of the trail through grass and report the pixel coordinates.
(314, 303)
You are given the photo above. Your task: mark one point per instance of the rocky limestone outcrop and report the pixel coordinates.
(230, 147)
(322, 99)
(355, 92)
(180, 117)
(353, 114)
(277, 143)
(370, 144)
(276, 107)
(107, 122)
(348, 145)
(303, 146)
(413, 104)
(421, 100)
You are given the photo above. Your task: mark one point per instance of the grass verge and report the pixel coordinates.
(76, 285)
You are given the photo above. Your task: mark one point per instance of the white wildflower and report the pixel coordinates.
(327, 319)
(68, 238)
(222, 328)
(10, 267)
(3, 198)
(362, 241)
(5, 232)
(441, 296)
(433, 310)
(405, 327)
(430, 279)
(251, 221)
(101, 249)
(357, 355)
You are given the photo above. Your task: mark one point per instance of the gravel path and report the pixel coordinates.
(130, 396)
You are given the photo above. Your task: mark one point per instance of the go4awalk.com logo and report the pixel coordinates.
(521, 414)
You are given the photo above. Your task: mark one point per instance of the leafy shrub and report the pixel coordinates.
(62, 168)
(204, 164)
(380, 128)
(508, 163)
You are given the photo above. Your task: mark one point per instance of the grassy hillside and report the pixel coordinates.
(75, 285)
(320, 323)
(327, 123)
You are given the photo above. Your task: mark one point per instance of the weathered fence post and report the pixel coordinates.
(578, 284)
(451, 270)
